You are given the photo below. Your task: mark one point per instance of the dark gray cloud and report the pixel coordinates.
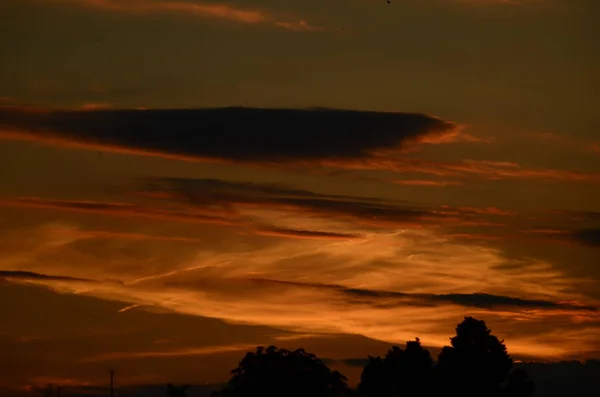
(225, 194)
(393, 298)
(234, 134)
(298, 233)
(23, 275)
(590, 237)
(32, 276)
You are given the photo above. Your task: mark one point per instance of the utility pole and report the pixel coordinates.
(112, 376)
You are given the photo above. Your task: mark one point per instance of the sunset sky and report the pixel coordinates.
(184, 180)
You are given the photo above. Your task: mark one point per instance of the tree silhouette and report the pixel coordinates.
(271, 372)
(476, 363)
(176, 391)
(405, 372)
(374, 380)
(519, 384)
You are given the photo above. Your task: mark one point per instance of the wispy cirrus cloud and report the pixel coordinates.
(486, 169)
(275, 210)
(113, 209)
(359, 286)
(290, 207)
(209, 10)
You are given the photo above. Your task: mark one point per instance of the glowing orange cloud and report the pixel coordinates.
(113, 209)
(421, 182)
(474, 236)
(488, 211)
(95, 106)
(107, 234)
(305, 234)
(341, 290)
(205, 10)
(544, 231)
(464, 168)
(199, 351)
(452, 136)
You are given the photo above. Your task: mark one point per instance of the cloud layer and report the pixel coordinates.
(233, 134)
(363, 285)
(186, 8)
(305, 138)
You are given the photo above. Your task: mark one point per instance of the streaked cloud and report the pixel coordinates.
(359, 286)
(393, 298)
(31, 276)
(424, 182)
(282, 232)
(271, 210)
(113, 209)
(487, 169)
(185, 352)
(227, 12)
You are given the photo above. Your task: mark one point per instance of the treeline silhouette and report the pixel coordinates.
(476, 364)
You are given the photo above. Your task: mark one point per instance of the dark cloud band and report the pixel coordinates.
(589, 237)
(234, 134)
(393, 298)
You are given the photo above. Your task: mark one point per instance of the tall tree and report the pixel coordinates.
(374, 379)
(272, 372)
(401, 373)
(476, 363)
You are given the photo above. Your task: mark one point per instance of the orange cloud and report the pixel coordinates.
(114, 209)
(106, 234)
(360, 286)
(184, 352)
(340, 276)
(464, 168)
(95, 106)
(200, 9)
(544, 231)
(309, 234)
(421, 182)
(476, 236)
(487, 211)
(452, 136)
(56, 140)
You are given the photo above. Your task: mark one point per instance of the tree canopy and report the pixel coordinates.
(476, 363)
(401, 372)
(270, 372)
(176, 391)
